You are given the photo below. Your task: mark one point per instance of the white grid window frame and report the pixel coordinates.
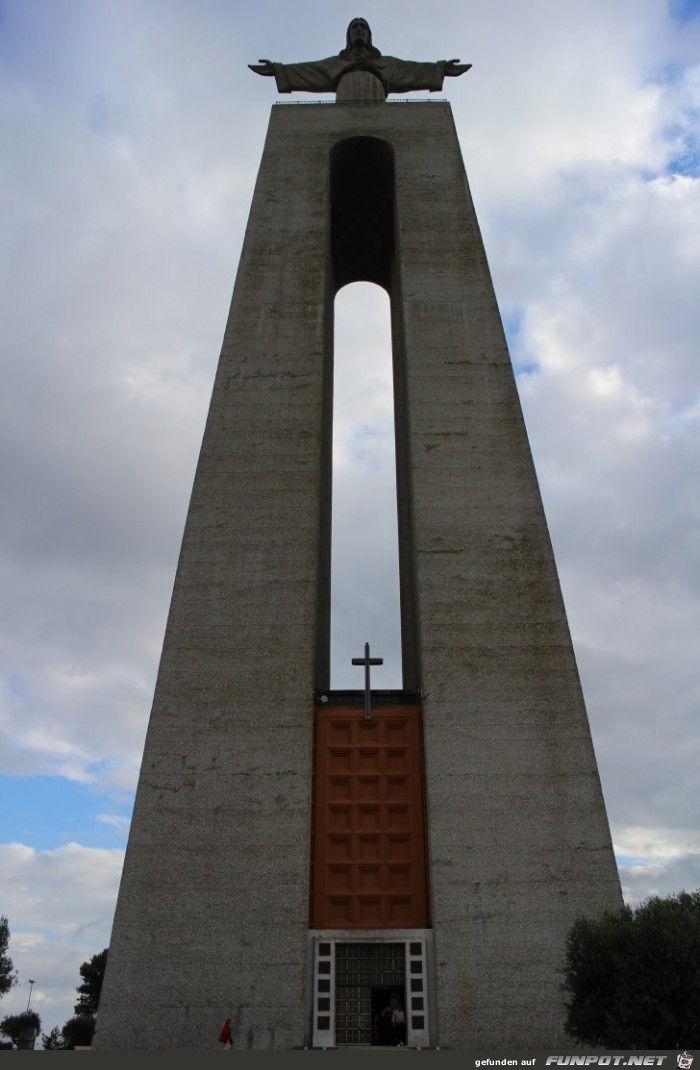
(417, 981)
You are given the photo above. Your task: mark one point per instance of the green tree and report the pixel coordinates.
(631, 976)
(22, 1029)
(92, 973)
(79, 1031)
(52, 1041)
(8, 977)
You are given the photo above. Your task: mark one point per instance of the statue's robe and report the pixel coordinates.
(323, 75)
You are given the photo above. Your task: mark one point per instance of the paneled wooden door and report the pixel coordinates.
(368, 857)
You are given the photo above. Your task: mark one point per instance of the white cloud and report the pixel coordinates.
(60, 905)
(114, 821)
(641, 881)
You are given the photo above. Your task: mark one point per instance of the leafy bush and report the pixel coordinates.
(22, 1029)
(631, 976)
(79, 1031)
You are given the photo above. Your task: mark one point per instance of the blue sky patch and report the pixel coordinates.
(685, 163)
(631, 862)
(525, 367)
(684, 10)
(521, 360)
(512, 324)
(46, 812)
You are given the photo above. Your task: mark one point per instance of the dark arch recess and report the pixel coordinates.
(362, 211)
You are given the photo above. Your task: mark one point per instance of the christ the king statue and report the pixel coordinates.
(394, 75)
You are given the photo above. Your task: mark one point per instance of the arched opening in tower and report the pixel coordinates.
(365, 604)
(366, 597)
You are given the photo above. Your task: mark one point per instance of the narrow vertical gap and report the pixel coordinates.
(365, 600)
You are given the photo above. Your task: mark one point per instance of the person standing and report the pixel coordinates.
(398, 1020)
(386, 1028)
(226, 1036)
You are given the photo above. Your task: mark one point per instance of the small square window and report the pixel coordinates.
(324, 984)
(416, 984)
(324, 949)
(416, 967)
(416, 949)
(324, 1004)
(416, 1003)
(417, 1021)
(324, 967)
(324, 1021)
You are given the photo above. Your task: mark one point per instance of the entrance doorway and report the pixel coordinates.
(387, 1033)
(354, 975)
(369, 978)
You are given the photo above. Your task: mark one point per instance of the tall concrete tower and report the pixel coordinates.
(300, 857)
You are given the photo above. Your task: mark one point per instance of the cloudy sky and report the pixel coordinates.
(132, 132)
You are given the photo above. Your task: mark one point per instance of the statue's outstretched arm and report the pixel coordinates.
(263, 66)
(454, 68)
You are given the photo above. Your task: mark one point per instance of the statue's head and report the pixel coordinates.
(359, 36)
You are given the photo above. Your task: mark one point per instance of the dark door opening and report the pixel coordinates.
(385, 1002)
(369, 978)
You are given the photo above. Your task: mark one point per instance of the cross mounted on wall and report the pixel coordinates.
(367, 661)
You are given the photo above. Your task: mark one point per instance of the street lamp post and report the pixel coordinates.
(31, 985)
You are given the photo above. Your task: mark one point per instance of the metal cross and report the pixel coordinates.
(367, 661)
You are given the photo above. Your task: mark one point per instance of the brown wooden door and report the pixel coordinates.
(368, 865)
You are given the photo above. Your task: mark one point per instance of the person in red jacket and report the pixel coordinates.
(226, 1036)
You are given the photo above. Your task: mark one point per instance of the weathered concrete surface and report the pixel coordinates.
(213, 908)
(212, 914)
(519, 839)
